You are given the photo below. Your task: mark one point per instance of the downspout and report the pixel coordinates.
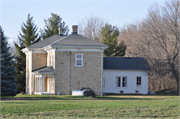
(101, 70)
(70, 73)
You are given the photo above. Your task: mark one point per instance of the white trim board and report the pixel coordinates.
(88, 50)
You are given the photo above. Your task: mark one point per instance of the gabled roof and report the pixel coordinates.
(70, 40)
(42, 70)
(125, 63)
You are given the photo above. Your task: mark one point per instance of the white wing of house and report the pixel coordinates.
(126, 75)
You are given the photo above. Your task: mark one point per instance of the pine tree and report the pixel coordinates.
(109, 37)
(52, 25)
(8, 84)
(28, 37)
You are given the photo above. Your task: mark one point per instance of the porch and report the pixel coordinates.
(43, 82)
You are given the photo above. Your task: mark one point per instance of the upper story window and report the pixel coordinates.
(121, 81)
(52, 60)
(79, 60)
(138, 81)
(49, 60)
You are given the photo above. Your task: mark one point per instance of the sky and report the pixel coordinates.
(117, 12)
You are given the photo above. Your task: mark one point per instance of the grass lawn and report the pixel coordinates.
(112, 106)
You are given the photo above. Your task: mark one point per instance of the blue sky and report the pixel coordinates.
(116, 12)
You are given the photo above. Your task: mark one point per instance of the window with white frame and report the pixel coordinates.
(138, 81)
(118, 81)
(49, 60)
(121, 81)
(79, 60)
(124, 81)
(52, 60)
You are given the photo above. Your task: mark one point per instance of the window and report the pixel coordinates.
(138, 82)
(118, 81)
(124, 81)
(79, 60)
(50, 60)
(121, 82)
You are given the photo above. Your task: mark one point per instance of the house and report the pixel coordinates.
(60, 64)
(125, 75)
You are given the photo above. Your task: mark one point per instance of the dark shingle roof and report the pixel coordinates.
(46, 69)
(78, 40)
(46, 41)
(125, 63)
(70, 40)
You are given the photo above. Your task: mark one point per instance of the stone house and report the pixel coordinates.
(60, 64)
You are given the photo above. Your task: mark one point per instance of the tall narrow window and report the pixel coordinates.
(50, 60)
(124, 81)
(138, 82)
(79, 60)
(118, 81)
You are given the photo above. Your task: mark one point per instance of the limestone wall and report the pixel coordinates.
(89, 75)
(39, 60)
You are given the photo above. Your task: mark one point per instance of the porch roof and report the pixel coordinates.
(44, 70)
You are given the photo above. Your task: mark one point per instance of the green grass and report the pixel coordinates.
(115, 106)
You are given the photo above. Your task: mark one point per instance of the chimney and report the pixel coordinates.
(74, 29)
(60, 31)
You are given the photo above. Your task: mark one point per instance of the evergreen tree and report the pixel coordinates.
(28, 37)
(52, 25)
(109, 37)
(8, 84)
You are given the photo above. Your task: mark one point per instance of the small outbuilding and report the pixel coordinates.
(125, 75)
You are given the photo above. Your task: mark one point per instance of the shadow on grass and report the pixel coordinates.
(61, 97)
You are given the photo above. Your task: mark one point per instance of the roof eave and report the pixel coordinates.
(43, 72)
(57, 46)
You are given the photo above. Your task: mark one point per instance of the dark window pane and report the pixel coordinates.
(78, 56)
(119, 82)
(123, 84)
(138, 80)
(78, 62)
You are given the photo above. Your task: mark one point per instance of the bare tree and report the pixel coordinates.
(91, 23)
(157, 39)
(162, 27)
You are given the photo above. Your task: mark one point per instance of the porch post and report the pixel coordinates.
(42, 83)
(39, 85)
(35, 83)
(54, 84)
(48, 85)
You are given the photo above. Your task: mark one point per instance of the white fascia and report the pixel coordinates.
(78, 48)
(33, 50)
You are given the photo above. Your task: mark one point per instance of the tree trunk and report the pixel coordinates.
(177, 81)
(176, 76)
